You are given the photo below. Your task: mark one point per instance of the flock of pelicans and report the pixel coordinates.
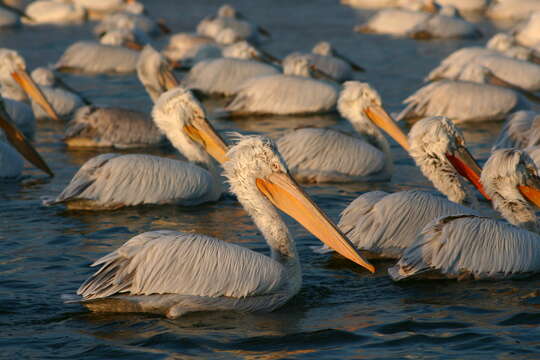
(172, 273)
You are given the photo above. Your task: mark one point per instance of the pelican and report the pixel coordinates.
(528, 34)
(293, 92)
(173, 273)
(516, 73)
(468, 246)
(370, 4)
(507, 45)
(97, 9)
(183, 46)
(17, 87)
(466, 6)
(131, 22)
(374, 221)
(332, 62)
(112, 181)
(229, 18)
(520, 130)
(225, 75)
(446, 23)
(512, 9)
(94, 126)
(110, 55)
(11, 161)
(326, 155)
(53, 12)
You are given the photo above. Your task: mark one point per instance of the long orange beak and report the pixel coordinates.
(289, 197)
(466, 166)
(381, 118)
(201, 131)
(531, 192)
(19, 142)
(29, 86)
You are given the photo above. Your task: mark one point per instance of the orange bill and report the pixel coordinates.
(201, 131)
(19, 142)
(466, 166)
(167, 79)
(381, 118)
(133, 45)
(33, 91)
(289, 197)
(530, 193)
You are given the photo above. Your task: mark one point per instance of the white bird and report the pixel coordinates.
(225, 75)
(326, 155)
(515, 73)
(53, 12)
(332, 62)
(506, 44)
(229, 18)
(17, 88)
(370, 4)
(385, 224)
(465, 6)
(473, 247)
(528, 33)
(520, 130)
(94, 126)
(184, 46)
(446, 23)
(97, 9)
(512, 9)
(129, 21)
(111, 181)
(111, 55)
(293, 92)
(173, 273)
(462, 101)
(11, 161)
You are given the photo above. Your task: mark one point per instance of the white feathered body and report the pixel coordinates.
(8, 19)
(326, 155)
(127, 21)
(284, 95)
(194, 272)
(112, 127)
(53, 12)
(370, 4)
(462, 101)
(186, 46)
(387, 224)
(469, 246)
(22, 115)
(225, 75)
(94, 58)
(520, 130)
(111, 181)
(528, 34)
(241, 29)
(466, 5)
(63, 102)
(512, 9)
(11, 162)
(338, 69)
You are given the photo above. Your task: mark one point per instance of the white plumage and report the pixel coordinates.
(172, 273)
(528, 33)
(468, 246)
(127, 21)
(326, 155)
(520, 130)
(386, 224)
(512, 9)
(53, 12)
(293, 92)
(111, 181)
(188, 46)
(507, 45)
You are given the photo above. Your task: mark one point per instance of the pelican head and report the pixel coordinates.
(438, 147)
(131, 38)
(361, 104)
(259, 177)
(183, 120)
(155, 73)
(297, 64)
(43, 76)
(13, 75)
(19, 141)
(227, 10)
(510, 177)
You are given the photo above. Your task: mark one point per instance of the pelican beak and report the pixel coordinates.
(381, 118)
(289, 197)
(466, 166)
(163, 26)
(166, 78)
(318, 73)
(133, 45)
(19, 142)
(532, 191)
(268, 58)
(353, 65)
(201, 131)
(32, 90)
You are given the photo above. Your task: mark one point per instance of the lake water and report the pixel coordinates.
(341, 312)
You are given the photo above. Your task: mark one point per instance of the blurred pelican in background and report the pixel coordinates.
(112, 181)
(468, 6)
(332, 62)
(94, 126)
(468, 246)
(507, 45)
(528, 33)
(13, 144)
(512, 9)
(17, 88)
(53, 12)
(173, 273)
(293, 92)
(225, 75)
(133, 19)
(385, 224)
(326, 155)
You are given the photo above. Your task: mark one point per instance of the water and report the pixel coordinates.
(341, 312)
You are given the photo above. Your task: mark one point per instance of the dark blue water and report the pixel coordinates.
(341, 312)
